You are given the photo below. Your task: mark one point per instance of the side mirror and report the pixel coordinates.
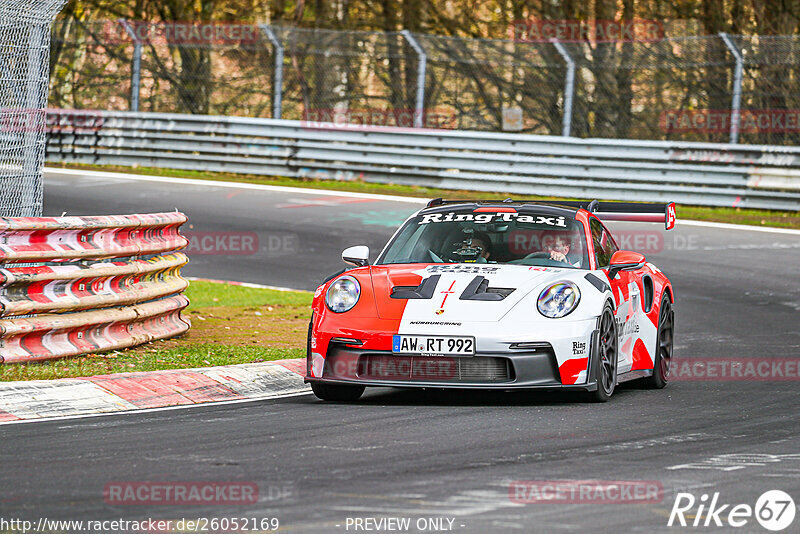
(358, 255)
(625, 260)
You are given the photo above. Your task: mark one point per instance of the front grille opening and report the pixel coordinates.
(435, 368)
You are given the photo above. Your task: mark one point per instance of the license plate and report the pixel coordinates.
(434, 345)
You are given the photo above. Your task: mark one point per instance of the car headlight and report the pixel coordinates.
(343, 294)
(559, 299)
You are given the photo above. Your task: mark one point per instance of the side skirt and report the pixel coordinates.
(634, 375)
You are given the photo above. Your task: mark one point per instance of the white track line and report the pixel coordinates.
(325, 192)
(234, 185)
(726, 226)
(245, 284)
(151, 410)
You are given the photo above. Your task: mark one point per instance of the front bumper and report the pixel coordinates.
(530, 368)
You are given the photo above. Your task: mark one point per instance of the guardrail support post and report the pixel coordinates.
(736, 104)
(277, 83)
(137, 64)
(569, 87)
(422, 63)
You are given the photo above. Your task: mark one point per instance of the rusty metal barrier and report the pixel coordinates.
(83, 305)
(45, 337)
(41, 239)
(98, 285)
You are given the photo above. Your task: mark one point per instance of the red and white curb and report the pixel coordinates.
(75, 397)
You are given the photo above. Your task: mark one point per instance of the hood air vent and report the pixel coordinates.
(422, 291)
(479, 289)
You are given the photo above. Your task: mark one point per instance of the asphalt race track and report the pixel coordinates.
(438, 454)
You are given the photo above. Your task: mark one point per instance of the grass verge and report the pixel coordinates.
(230, 324)
(780, 219)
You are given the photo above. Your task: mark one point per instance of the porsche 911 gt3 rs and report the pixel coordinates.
(496, 294)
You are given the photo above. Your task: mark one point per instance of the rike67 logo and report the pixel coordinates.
(774, 510)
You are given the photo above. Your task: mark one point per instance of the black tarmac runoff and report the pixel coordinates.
(444, 461)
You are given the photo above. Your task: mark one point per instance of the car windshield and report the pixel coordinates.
(490, 235)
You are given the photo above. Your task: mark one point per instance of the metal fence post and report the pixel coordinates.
(137, 64)
(24, 66)
(569, 87)
(422, 63)
(35, 84)
(277, 83)
(736, 104)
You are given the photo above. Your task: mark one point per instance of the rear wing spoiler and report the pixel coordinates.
(628, 211)
(605, 211)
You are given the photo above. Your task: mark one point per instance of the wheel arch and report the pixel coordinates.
(668, 292)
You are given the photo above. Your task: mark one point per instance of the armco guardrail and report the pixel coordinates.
(40, 239)
(82, 305)
(690, 173)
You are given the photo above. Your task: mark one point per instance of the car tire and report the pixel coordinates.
(605, 372)
(308, 345)
(664, 346)
(336, 392)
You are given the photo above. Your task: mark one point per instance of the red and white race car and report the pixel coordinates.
(496, 294)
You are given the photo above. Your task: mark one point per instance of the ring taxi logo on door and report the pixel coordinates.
(670, 222)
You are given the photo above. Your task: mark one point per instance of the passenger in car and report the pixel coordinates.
(559, 248)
